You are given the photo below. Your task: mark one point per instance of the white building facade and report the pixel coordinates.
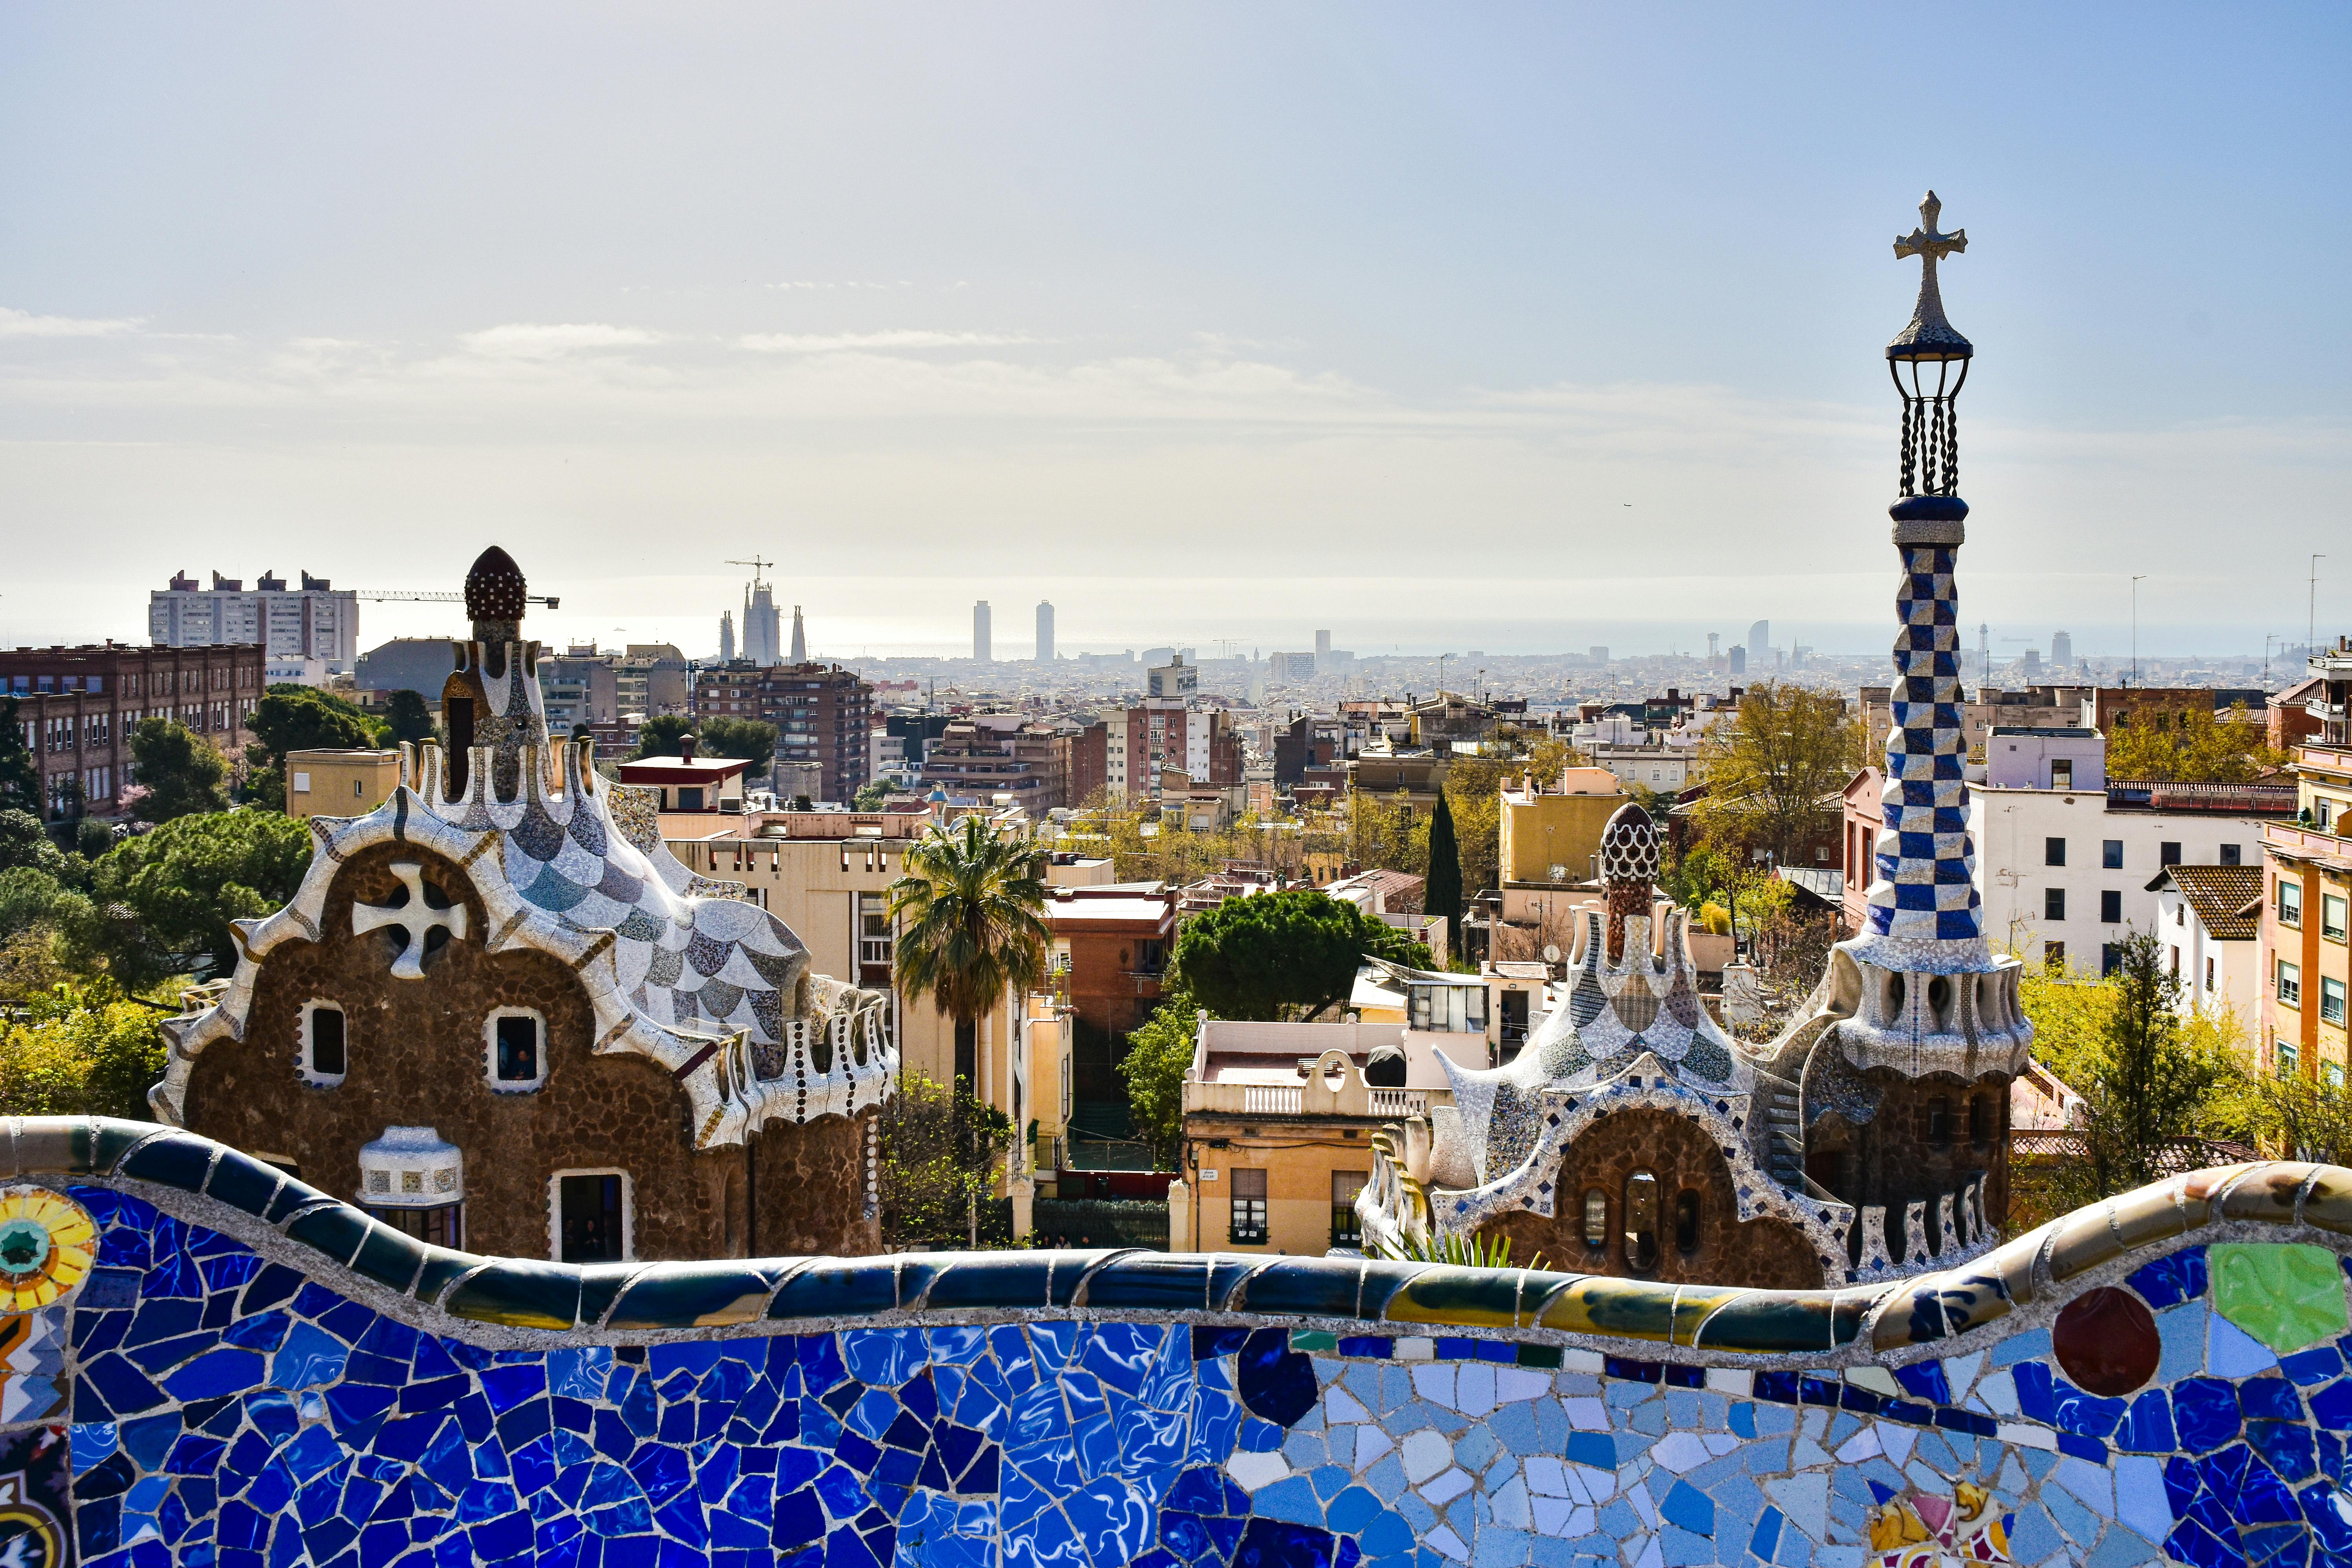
(316, 621)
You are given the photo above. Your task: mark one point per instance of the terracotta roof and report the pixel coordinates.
(2227, 899)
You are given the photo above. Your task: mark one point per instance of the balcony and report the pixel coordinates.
(1316, 1096)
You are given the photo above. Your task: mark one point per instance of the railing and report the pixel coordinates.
(1272, 1099)
(1400, 1101)
(2239, 799)
(1312, 1097)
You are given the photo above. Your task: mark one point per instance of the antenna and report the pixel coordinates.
(2311, 632)
(755, 564)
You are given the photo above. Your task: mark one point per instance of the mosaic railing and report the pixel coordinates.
(207, 1362)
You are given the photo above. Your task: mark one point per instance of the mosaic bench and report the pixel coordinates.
(204, 1361)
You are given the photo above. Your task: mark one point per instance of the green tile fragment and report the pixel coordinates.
(2286, 1294)
(1544, 1356)
(1314, 1339)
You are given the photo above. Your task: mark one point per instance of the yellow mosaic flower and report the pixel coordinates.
(46, 1244)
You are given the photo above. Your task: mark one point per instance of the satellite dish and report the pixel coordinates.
(1551, 952)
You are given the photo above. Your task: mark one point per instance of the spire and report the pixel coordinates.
(1925, 915)
(800, 639)
(494, 597)
(1629, 866)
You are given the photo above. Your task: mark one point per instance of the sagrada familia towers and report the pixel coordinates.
(1632, 1136)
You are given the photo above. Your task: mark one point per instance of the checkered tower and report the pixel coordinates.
(1925, 917)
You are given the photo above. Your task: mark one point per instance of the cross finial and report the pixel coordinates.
(414, 918)
(1924, 241)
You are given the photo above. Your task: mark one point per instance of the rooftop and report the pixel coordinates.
(2227, 899)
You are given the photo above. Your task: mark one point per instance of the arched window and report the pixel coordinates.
(1687, 1222)
(1642, 1220)
(325, 1055)
(1596, 1219)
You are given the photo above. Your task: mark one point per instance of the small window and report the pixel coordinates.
(2331, 1000)
(2168, 852)
(2331, 916)
(2111, 854)
(2232, 855)
(325, 1054)
(1640, 1221)
(2054, 852)
(2054, 903)
(1940, 1121)
(2111, 907)
(2334, 1073)
(359, 789)
(302, 783)
(690, 797)
(592, 1217)
(442, 1226)
(2111, 958)
(2062, 774)
(2290, 902)
(2208, 975)
(1596, 1219)
(2054, 955)
(2289, 983)
(2289, 1066)
(1687, 1222)
(515, 1039)
(1248, 1227)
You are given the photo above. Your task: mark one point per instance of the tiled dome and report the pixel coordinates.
(494, 588)
(1629, 846)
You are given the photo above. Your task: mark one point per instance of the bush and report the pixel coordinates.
(90, 1061)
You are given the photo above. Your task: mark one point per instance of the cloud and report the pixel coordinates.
(25, 324)
(523, 340)
(901, 338)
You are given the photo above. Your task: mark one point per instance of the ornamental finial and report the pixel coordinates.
(1930, 336)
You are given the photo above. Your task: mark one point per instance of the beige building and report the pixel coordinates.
(827, 875)
(336, 783)
(1278, 1120)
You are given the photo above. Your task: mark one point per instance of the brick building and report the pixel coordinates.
(1114, 940)
(822, 713)
(1163, 735)
(992, 755)
(79, 706)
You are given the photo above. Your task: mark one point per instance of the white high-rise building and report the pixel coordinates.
(1759, 643)
(316, 621)
(726, 637)
(1322, 645)
(983, 639)
(1044, 631)
(2061, 651)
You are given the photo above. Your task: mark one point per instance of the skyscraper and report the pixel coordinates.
(726, 637)
(1044, 631)
(2061, 651)
(1714, 645)
(1760, 643)
(800, 639)
(983, 641)
(1322, 647)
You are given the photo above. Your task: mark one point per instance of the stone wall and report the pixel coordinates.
(239, 1372)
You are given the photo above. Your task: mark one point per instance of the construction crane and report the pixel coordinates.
(755, 564)
(441, 596)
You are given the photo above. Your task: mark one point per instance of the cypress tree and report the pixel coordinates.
(1444, 893)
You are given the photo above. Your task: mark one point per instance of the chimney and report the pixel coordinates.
(686, 747)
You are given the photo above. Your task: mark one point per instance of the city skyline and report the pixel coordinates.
(568, 311)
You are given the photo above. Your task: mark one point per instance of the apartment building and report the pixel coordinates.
(1165, 735)
(1548, 839)
(2210, 921)
(2307, 864)
(1112, 941)
(2068, 860)
(652, 677)
(1278, 1121)
(316, 621)
(823, 713)
(79, 706)
(1001, 758)
(339, 783)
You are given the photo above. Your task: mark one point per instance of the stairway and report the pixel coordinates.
(1784, 1131)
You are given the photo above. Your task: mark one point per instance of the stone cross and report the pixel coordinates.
(1927, 323)
(414, 917)
(1924, 241)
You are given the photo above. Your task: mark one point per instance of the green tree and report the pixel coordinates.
(96, 1060)
(290, 717)
(870, 795)
(1384, 834)
(2190, 745)
(659, 736)
(20, 770)
(409, 719)
(1774, 774)
(162, 902)
(1296, 950)
(25, 842)
(1443, 893)
(939, 1151)
(753, 740)
(176, 771)
(970, 905)
(2149, 1080)
(28, 895)
(1159, 1056)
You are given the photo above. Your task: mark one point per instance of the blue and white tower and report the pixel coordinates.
(1924, 933)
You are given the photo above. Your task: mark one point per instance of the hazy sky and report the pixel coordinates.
(1444, 327)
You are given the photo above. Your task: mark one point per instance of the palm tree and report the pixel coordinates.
(970, 905)
(971, 929)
